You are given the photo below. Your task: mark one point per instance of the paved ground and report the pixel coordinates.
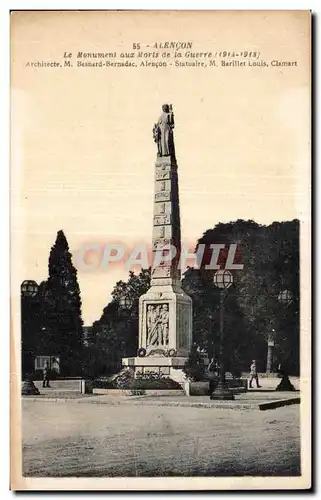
(267, 383)
(247, 400)
(58, 394)
(253, 399)
(105, 440)
(270, 383)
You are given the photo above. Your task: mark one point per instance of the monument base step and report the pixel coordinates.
(158, 365)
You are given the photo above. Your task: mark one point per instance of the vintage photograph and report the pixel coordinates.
(160, 250)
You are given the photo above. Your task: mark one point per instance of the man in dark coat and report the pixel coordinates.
(46, 374)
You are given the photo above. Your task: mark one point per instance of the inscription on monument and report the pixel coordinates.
(162, 208)
(183, 325)
(150, 370)
(163, 196)
(161, 185)
(161, 272)
(162, 232)
(160, 220)
(164, 371)
(159, 243)
(160, 175)
(163, 167)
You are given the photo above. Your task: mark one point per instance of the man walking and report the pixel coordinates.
(254, 375)
(46, 373)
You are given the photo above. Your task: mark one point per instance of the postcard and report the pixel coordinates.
(160, 250)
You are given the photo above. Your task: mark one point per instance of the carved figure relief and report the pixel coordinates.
(157, 325)
(165, 323)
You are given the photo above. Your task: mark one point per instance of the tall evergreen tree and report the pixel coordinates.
(64, 324)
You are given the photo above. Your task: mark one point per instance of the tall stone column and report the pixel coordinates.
(165, 311)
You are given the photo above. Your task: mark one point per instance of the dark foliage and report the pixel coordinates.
(270, 254)
(252, 310)
(194, 367)
(115, 335)
(65, 322)
(138, 384)
(51, 321)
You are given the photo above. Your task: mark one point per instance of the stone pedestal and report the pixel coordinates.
(172, 339)
(165, 311)
(157, 366)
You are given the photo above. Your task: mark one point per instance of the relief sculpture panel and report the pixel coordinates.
(157, 321)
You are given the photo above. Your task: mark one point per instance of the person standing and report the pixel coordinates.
(253, 375)
(46, 374)
(213, 367)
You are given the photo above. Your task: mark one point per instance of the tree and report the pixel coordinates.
(270, 255)
(206, 320)
(62, 312)
(133, 288)
(273, 266)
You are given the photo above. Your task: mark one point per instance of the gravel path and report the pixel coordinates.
(100, 440)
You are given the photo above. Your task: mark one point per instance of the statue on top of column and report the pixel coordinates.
(163, 132)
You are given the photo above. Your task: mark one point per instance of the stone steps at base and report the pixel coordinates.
(178, 376)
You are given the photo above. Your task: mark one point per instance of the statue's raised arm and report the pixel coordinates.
(163, 132)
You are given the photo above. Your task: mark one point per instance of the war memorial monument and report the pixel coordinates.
(165, 311)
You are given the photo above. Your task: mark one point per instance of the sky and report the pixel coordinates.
(82, 153)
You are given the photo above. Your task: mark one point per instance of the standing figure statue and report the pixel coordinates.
(165, 320)
(159, 326)
(152, 333)
(163, 132)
